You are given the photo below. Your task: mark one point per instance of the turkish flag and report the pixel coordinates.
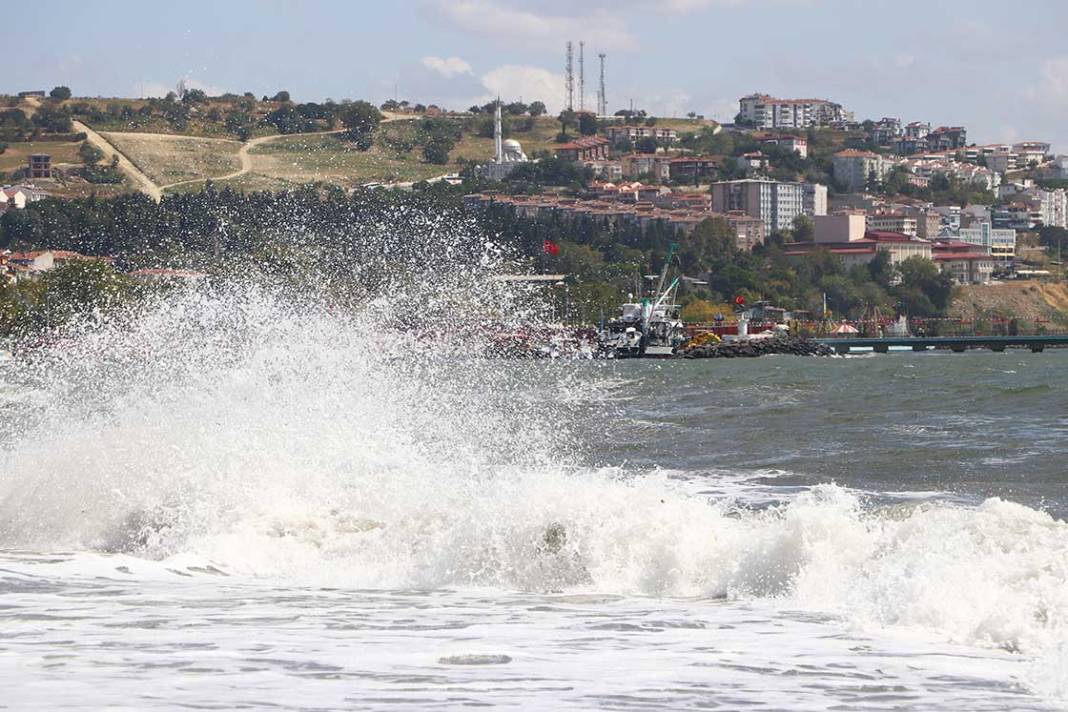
(550, 248)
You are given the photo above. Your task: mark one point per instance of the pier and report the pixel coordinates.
(958, 344)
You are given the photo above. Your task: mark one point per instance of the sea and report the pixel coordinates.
(241, 504)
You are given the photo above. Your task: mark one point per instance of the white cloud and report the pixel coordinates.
(684, 6)
(602, 29)
(1052, 86)
(448, 67)
(514, 81)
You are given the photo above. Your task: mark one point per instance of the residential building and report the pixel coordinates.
(606, 170)
(17, 196)
(1000, 244)
(1032, 152)
(854, 169)
(893, 222)
(863, 250)
(947, 138)
(797, 144)
(775, 203)
(841, 227)
(638, 165)
(963, 262)
(663, 135)
(886, 131)
(928, 221)
(749, 231)
(691, 169)
(916, 130)
(754, 160)
(1060, 167)
(765, 111)
(813, 199)
(584, 148)
(38, 165)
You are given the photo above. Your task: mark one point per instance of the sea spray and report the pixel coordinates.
(364, 443)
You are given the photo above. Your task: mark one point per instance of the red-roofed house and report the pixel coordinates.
(966, 263)
(584, 148)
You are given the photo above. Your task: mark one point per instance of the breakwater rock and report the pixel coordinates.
(752, 348)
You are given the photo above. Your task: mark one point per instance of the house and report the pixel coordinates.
(17, 196)
(886, 131)
(947, 138)
(690, 169)
(963, 262)
(637, 165)
(754, 160)
(662, 135)
(606, 170)
(38, 165)
(584, 148)
(797, 144)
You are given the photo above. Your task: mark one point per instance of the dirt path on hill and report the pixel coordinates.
(140, 180)
(246, 159)
(154, 191)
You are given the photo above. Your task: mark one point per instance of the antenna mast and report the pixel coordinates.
(582, 75)
(569, 78)
(602, 100)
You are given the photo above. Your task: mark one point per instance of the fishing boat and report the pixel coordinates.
(650, 327)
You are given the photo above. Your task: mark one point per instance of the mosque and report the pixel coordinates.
(507, 155)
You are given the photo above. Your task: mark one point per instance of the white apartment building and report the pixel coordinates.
(853, 168)
(1000, 244)
(769, 112)
(777, 204)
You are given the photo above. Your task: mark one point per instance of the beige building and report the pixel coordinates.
(893, 222)
(840, 227)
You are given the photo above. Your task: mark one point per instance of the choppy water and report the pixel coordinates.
(289, 512)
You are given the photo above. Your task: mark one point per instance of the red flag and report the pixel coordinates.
(739, 300)
(550, 248)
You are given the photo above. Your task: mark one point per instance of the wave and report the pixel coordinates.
(315, 446)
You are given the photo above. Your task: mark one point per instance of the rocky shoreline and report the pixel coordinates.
(751, 348)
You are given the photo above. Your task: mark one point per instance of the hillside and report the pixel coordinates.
(172, 159)
(1025, 300)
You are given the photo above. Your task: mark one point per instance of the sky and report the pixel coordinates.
(998, 68)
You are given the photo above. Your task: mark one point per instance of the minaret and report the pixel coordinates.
(498, 148)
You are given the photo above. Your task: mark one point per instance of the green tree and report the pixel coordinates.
(437, 150)
(804, 230)
(60, 93)
(536, 109)
(90, 154)
(195, 96)
(360, 120)
(587, 124)
(282, 96)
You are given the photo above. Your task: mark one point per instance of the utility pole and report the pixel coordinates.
(582, 75)
(569, 78)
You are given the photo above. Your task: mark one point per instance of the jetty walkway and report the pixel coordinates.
(1037, 343)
